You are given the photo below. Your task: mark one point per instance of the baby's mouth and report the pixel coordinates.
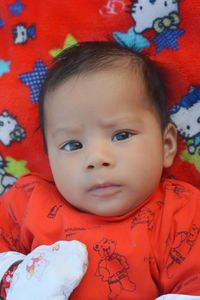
(105, 189)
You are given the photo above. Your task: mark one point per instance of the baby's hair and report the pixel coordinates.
(88, 57)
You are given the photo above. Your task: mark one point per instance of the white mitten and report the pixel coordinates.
(49, 272)
(177, 297)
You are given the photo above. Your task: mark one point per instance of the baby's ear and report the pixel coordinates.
(169, 145)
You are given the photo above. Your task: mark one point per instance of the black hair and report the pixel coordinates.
(88, 57)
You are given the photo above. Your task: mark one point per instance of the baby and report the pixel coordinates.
(108, 138)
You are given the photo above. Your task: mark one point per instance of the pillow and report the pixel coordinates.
(33, 32)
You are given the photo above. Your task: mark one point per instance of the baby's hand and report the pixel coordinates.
(49, 272)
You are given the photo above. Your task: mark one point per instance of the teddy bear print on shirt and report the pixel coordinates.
(183, 243)
(113, 268)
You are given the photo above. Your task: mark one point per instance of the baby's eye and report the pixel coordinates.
(122, 135)
(72, 146)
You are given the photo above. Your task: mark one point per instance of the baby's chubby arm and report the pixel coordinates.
(48, 272)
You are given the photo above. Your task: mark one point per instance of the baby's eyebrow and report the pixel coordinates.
(115, 121)
(106, 123)
(67, 130)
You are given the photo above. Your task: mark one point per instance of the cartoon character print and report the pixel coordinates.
(10, 130)
(22, 33)
(156, 14)
(177, 189)
(11, 238)
(6, 180)
(182, 245)
(162, 16)
(36, 266)
(186, 117)
(144, 216)
(33, 269)
(113, 268)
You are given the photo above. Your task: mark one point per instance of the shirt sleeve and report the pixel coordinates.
(179, 258)
(13, 209)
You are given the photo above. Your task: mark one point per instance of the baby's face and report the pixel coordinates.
(105, 144)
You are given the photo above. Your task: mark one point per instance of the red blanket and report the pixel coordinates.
(32, 32)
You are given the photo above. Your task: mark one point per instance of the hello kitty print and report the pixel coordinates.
(148, 13)
(161, 17)
(186, 117)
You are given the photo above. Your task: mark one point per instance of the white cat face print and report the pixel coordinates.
(146, 12)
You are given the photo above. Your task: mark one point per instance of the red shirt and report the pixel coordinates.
(151, 251)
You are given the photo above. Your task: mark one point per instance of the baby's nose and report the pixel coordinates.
(99, 160)
(97, 164)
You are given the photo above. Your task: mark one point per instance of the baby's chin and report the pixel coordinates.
(107, 212)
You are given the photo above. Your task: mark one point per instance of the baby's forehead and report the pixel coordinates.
(64, 71)
(105, 91)
(122, 67)
(110, 77)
